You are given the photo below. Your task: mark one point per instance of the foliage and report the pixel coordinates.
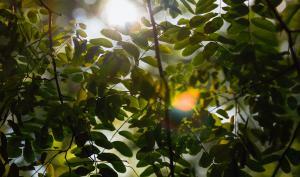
(59, 97)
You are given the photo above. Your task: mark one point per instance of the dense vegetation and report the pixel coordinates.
(63, 110)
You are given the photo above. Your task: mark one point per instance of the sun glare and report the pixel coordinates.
(120, 12)
(186, 101)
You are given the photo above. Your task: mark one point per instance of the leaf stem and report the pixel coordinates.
(165, 84)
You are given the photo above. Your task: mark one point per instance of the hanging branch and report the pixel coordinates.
(289, 32)
(50, 12)
(167, 89)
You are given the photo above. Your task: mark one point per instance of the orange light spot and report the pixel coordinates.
(186, 100)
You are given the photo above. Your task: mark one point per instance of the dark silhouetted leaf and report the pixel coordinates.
(107, 171)
(114, 160)
(122, 148)
(285, 165)
(254, 165)
(213, 25)
(205, 160)
(13, 171)
(101, 140)
(294, 156)
(28, 152)
(223, 113)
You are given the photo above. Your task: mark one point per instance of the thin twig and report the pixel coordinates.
(66, 153)
(286, 150)
(52, 50)
(288, 32)
(167, 89)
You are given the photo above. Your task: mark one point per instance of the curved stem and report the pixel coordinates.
(286, 150)
(167, 89)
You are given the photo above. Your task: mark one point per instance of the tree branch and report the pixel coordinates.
(289, 34)
(165, 84)
(60, 96)
(286, 150)
(297, 65)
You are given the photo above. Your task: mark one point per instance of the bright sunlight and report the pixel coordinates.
(120, 12)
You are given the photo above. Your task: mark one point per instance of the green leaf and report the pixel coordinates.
(213, 25)
(292, 102)
(85, 151)
(210, 49)
(131, 49)
(114, 160)
(112, 34)
(264, 24)
(106, 171)
(181, 44)
(147, 172)
(102, 42)
(205, 160)
(82, 171)
(77, 77)
(141, 40)
(190, 49)
(101, 140)
(265, 37)
(204, 6)
(32, 16)
(223, 113)
(146, 22)
(183, 33)
(82, 26)
(150, 60)
(197, 21)
(122, 148)
(294, 156)
(28, 152)
(165, 49)
(254, 165)
(127, 135)
(81, 139)
(197, 38)
(187, 6)
(13, 149)
(198, 59)
(14, 126)
(81, 33)
(147, 157)
(285, 165)
(289, 13)
(71, 70)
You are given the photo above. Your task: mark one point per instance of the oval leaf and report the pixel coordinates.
(112, 34)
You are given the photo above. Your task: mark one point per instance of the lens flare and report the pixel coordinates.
(186, 101)
(120, 12)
